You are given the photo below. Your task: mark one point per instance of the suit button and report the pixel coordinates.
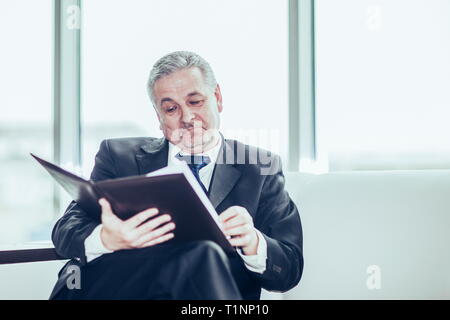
(276, 268)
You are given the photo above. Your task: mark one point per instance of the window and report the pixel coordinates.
(245, 42)
(382, 84)
(26, 199)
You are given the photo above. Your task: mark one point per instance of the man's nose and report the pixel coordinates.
(187, 116)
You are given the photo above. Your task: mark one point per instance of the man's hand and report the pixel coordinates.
(238, 223)
(117, 234)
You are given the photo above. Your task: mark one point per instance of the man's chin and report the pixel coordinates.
(193, 147)
(196, 145)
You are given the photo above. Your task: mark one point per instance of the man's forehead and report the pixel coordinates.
(181, 83)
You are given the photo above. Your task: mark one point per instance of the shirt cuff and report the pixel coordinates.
(94, 246)
(257, 262)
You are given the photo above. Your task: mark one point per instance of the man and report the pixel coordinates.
(134, 259)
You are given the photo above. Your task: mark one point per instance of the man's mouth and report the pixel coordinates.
(193, 128)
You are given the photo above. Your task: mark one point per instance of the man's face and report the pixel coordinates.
(188, 110)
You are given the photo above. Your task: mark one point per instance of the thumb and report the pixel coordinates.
(107, 212)
(104, 204)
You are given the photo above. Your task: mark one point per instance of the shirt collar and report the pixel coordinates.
(212, 153)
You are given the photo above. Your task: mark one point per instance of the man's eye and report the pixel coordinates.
(197, 102)
(171, 109)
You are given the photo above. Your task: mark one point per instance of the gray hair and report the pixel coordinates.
(176, 61)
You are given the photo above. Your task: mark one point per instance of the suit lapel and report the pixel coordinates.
(225, 175)
(154, 156)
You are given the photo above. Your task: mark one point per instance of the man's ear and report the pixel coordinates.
(218, 95)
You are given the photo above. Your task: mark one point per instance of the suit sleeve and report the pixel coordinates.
(71, 230)
(279, 221)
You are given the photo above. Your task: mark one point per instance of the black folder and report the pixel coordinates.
(171, 190)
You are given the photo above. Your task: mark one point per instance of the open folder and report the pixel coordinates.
(172, 190)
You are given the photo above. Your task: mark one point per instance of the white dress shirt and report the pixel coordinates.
(256, 263)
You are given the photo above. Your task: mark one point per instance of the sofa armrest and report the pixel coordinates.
(28, 255)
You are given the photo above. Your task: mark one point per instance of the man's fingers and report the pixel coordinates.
(237, 231)
(140, 217)
(240, 241)
(234, 211)
(153, 223)
(131, 236)
(234, 222)
(161, 239)
(156, 233)
(228, 214)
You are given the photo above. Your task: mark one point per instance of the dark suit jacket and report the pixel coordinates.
(239, 183)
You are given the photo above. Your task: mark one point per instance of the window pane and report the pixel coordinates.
(383, 79)
(26, 204)
(244, 41)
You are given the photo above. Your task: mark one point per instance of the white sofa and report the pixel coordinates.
(398, 221)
